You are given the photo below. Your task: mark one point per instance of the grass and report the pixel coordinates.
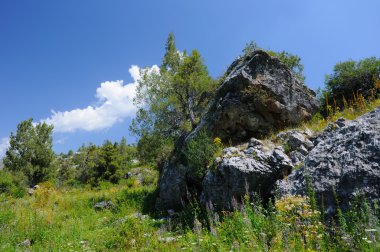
(319, 123)
(350, 113)
(65, 220)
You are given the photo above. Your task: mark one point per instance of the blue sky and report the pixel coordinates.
(55, 55)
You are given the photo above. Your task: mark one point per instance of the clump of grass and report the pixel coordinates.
(351, 111)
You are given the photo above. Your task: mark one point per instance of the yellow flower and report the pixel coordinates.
(217, 141)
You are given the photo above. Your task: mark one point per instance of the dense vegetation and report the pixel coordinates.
(59, 215)
(351, 82)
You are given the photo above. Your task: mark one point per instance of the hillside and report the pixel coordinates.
(253, 161)
(53, 219)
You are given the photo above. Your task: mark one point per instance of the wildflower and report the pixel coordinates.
(218, 141)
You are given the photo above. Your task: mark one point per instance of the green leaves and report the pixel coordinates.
(199, 152)
(30, 151)
(351, 79)
(171, 102)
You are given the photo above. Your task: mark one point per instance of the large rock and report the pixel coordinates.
(345, 162)
(173, 191)
(260, 95)
(241, 171)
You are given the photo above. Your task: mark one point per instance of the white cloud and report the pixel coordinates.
(4, 144)
(115, 103)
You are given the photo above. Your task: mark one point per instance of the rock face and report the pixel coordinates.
(254, 167)
(345, 162)
(173, 187)
(260, 95)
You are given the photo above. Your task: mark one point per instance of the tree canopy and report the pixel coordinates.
(30, 151)
(350, 77)
(171, 100)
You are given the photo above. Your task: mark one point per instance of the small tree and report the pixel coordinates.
(30, 151)
(108, 164)
(199, 153)
(171, 101)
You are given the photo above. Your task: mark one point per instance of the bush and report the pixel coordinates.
(351, 79)
(9, 185)
(199, 152)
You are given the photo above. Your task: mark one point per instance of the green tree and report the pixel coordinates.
(127, 154)
(172, 100)
(172, 56)
(350, 77)
(85, 160)
(108, 164)
(30, 151)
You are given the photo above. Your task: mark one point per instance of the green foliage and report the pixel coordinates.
(199, 152)
(153, 148)
(351, 79)
(250, 48)
(30, 151)
(93, 164)
(11, 185)
(172, 100)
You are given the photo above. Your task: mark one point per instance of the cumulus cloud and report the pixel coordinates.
(115, 103)
(4, 144)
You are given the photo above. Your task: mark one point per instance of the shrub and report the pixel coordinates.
(199, 152)
(351, 82)
(10, 185)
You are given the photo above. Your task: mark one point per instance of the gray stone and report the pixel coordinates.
(259, 95)
(27, 243)
(296, 157)
(346, 160)
(173, 187)
(254, 171)
(303, 150)
(104, 205)
(253, 142)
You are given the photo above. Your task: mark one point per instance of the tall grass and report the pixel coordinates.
(65, 220)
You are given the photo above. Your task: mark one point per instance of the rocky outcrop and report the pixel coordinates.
(344, 164)
(260, 95)
(297, 144)
(250, 168)
(253, 167)
(173, 189)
